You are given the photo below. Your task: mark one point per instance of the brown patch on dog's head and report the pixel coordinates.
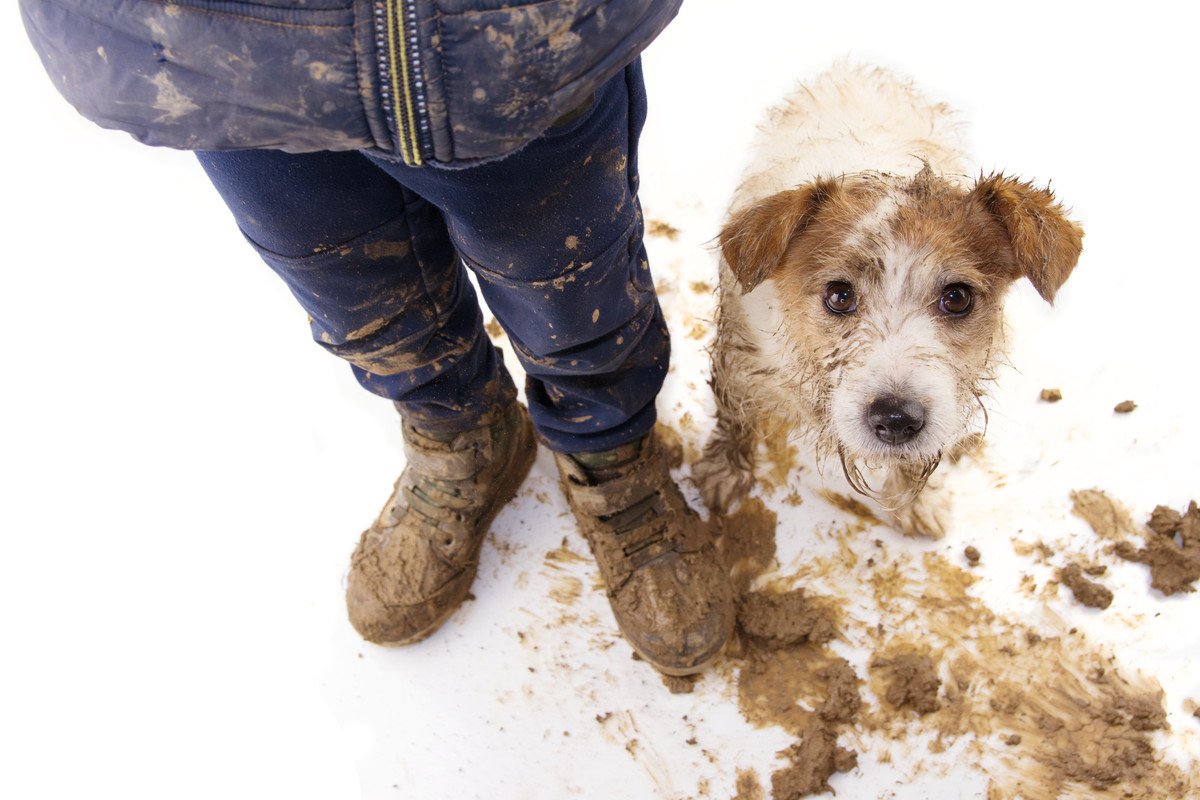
(755, 241)
(1045, 244)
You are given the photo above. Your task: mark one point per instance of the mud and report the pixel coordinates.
(1044, 713)
(972, 555)
(1124, 407)
(813, 759)
(746, 542)
(1087, 592)
(682, 684)
(850, 506)
(776, 620)
(1170, 541)
(657, 227)
(911, 681)
(1109, 520)
(748, 787)
(842, 699)
(1051, 395)
(671, 443)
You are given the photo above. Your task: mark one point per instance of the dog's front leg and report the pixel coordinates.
(917, 509)
(725, 472)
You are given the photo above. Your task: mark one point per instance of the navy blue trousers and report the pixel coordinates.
(376, 253)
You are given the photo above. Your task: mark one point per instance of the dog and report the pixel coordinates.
(862, 278)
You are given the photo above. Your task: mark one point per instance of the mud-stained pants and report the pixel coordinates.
(375, 252)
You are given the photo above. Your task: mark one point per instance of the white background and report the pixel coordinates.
(183, 474)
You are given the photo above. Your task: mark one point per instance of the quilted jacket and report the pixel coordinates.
(441, 82)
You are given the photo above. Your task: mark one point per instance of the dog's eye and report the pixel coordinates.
(840, 298)
(956, 300)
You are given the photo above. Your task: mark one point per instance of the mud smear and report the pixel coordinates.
(1043, 712)
(850, 506)
(1169, 544)
(787, 676)
(774, 620)
(671, 443)
(1087, 592)
(748, 787)
(657, 227)
(910, 681)
(746, 542)
(813, 759)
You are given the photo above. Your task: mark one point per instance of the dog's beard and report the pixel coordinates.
(917, 470)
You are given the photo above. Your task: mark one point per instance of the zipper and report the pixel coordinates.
(401, 84)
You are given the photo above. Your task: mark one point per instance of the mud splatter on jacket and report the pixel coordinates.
(441, 82)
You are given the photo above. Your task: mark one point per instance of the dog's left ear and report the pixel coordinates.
(1045, 244)
(755, 241)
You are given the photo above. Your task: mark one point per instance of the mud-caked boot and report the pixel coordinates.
(415, 565)
(671, 597)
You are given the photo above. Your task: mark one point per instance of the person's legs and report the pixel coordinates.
(372, 264)
(554, 233)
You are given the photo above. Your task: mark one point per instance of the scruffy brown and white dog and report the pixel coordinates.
(862, 281)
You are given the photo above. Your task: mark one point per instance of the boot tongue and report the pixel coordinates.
(608, 464)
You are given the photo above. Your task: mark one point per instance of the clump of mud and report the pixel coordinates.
(787, 676)
(1124, 407)
(1051, 395)
(783, 619)
(1087, 592)
(746, 542)
(911, 680)
(1170, 541)
(813, 759)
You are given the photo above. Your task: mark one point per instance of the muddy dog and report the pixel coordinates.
(862, 282)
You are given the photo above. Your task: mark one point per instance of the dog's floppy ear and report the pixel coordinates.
(756, 239)
(1045, 243)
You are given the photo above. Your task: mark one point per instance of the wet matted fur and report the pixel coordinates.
(849, 253)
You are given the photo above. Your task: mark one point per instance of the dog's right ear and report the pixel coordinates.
(755, 241)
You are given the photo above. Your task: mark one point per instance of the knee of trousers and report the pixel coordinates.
(586, 320)
(371, 301)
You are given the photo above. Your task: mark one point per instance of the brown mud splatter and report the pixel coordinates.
(657, 227)
(813, 759)
(910, 680)
(1089, 593)
(1171, 541)
(1043, 712)
(850, 506)
(746, 542)
(748, 787)
(1051, 395)
(1124, 407)
(671, 443)
(784, 619)
(680, 684)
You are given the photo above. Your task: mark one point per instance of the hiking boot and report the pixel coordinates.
(669, 593)
(415, 565)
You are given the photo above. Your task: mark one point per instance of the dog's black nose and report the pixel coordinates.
(895, 421)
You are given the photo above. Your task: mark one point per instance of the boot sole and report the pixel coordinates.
(514, 476)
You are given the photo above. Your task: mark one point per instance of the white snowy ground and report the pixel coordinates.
(183, 474)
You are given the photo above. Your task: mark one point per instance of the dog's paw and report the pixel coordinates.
(928, 516)
(722, 480)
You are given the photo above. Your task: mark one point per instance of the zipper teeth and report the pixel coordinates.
(385, 67)
(421, 136)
